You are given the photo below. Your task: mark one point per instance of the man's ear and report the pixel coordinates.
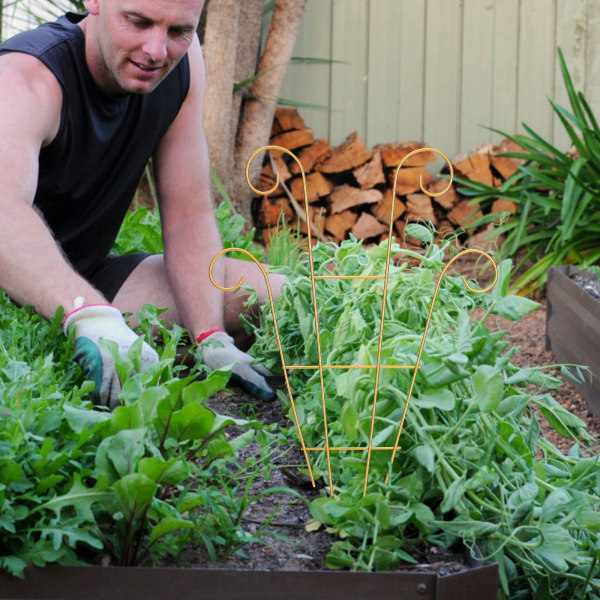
(93, 6)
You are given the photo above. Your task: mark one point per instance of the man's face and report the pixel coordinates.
(133, 44)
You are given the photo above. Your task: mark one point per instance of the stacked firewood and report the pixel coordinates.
(350, 187)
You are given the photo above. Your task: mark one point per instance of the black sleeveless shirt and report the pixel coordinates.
(89, 173)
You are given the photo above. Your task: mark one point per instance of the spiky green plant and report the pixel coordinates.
(557, 196)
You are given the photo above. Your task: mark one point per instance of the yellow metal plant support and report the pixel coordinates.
(320, 366)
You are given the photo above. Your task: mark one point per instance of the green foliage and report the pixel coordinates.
(141, 232)
(472, 465)
(139, 483)
(285, 245)
(557, 196)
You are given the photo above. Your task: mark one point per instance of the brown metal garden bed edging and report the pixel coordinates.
(573, 329)
(170, 583)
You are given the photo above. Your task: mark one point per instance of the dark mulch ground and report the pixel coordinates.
(310, 548)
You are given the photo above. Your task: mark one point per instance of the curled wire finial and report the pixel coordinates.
(281, 149)
(431, 194)
(491, 285)
(212, 264)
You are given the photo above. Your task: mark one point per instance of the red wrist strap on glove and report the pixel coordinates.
(205, 334)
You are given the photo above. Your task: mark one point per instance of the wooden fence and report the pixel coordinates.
(441, 71)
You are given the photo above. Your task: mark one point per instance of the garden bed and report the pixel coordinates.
(310, 551)
(573, 326)
(296, 570)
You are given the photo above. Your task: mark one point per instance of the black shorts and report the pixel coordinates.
(111, 273)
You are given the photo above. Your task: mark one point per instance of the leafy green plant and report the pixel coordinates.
(141, 232)
(557, 195)
(138, 483)
(472, 466)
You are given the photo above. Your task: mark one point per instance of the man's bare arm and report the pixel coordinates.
(33, 269)
(190, 232)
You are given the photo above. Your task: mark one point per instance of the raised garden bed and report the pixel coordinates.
(573, 326)
(124, 583)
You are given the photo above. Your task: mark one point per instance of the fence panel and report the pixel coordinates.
(453, 66)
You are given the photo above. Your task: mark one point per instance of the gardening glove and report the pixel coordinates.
(218, 350)
(90, 323)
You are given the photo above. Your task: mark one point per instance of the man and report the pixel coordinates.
(85, 102)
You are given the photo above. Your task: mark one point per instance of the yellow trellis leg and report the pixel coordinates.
(287, 383)
(385, 283)
(437, 287)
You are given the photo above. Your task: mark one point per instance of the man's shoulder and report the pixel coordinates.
(32, 84)
(38, 59)
(42, 39)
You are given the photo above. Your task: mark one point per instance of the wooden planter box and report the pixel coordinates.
(573, 329)
(132, 583)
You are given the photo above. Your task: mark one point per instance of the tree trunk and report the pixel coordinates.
(258, 109)
(237, 124)
(221, 35)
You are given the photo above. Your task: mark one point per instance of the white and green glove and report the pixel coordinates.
(90, 323)
(217, 350)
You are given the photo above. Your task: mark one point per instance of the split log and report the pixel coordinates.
(310, 156)
(341, 223)
(349, 155)
(447, 200)
(346, 196)
(370, 174)
(475, 165)
(464, 213)
(420, 207)
(368, 226)
(317, 186)
(274, 209)
(382, 209)
(392, 154)
(292, 140)
(503, 205)
(409, 179)
(286, 119)
(282, 168)
(505, 165)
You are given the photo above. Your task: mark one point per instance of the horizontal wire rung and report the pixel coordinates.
(355, 448)
(352, 367)
(350, 277)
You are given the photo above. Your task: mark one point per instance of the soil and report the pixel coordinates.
(309, 549)
(589, 283)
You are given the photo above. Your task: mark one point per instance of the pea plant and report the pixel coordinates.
(473, 468)
(138, 484)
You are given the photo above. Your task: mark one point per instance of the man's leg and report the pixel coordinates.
(148, 283)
